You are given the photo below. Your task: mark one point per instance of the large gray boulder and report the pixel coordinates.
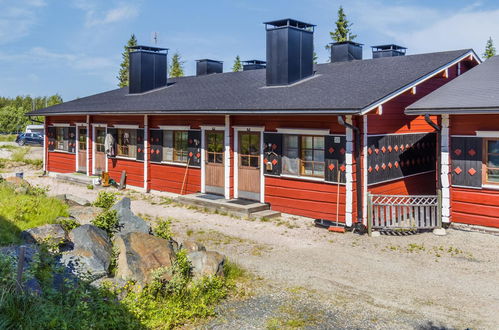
(51, 234)
(192, 246)
(91, 255)
(129, 222)
(140, 254)
(84, 214)
(72, 199)
(206, 263)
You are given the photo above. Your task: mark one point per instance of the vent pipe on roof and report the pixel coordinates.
(290, 51)
(147, 68)
(254, 65)
(206, 66)
(346, 51)
(389, 50)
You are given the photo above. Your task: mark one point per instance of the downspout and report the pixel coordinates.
(359, 224)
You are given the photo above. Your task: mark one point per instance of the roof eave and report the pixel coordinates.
(453, 111)
(404, 89)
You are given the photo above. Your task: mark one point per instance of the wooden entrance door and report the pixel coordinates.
(82, 149)
(214, 168)
(100, 151)
(249, 165)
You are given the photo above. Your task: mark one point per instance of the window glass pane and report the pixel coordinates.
(127, 143)
(290, 159)
(319, 170)
(307, 155)
(254, 162)
(493, 147)
(319, 142)
(493, 175)
(307, 142)
(319, 155)
(493, 161)
(180, 153)
(168, 146)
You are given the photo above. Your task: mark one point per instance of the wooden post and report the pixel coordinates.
(20, 268)
(369, 215)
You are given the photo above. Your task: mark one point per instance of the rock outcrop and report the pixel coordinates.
(52, 234)
(206, 263)
(129, 222)
(84, 214)
(92, 252)
(140, 254)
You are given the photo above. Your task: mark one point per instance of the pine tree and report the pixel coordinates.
(123, 74)
(176, 68)
(490, 50)
(238, 66)
(342, 31)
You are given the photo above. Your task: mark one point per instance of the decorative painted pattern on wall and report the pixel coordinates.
(466, 159)
(391, 157)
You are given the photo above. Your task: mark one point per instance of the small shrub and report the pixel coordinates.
(113, 264)
(163, 228)
(90, 186)
(105, 199)
(68, 223)
(19, 154)
(108, 221)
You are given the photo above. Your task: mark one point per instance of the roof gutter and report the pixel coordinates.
(359, 225)
(453, 111)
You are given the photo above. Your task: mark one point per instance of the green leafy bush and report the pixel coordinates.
(21, 211)
(105, 199)
(163, 228)
(108, 221)
(68, 223)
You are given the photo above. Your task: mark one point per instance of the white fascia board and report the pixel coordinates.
(127, 126)
(60, 125)
(303, 131)
(175, 127)
(488, 134)
(419, 81)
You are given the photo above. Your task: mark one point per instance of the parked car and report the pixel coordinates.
(29, 138)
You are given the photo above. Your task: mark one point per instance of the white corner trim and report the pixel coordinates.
(87, 162)
(146, 152)
(203, 159)
(127, 126)
(402, 90)
(175, 127)
(45, 147)
(349, 174)
(303, 131)
(488, 134)
(227, 157)
(60, 125)
(364, 169)
(445, 169)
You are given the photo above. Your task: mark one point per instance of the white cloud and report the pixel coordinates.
(17, 18)
(94, 15)
(427, 29)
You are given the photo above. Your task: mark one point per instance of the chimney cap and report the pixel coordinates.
(347, 42)
(289, 22)
(254, 62)
(148, 48)
(208, 60)
(388, 47)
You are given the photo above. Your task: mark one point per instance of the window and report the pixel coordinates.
(127, 143)
(303, 155)
(175, 146)
(215, 147)
(61, 139)
(82, 139)
(249, 149)
(492, 161)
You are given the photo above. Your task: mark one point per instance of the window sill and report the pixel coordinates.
(490, 186)
(63, 152)
(303, 178)
(126, 158)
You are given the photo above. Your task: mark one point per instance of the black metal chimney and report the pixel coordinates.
(389, 50)
(346, 51)
(254, 65)
(206, 66)
(147, 68)
(290, 51)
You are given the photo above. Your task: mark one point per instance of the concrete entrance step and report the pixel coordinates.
(75, 178)
(239, 207)
(267, 214)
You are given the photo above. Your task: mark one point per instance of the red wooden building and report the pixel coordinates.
(468, 108)
(291, 134)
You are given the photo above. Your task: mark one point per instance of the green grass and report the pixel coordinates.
(20, 211)
(7, 137)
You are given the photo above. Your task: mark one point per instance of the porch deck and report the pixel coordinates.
(237, 207)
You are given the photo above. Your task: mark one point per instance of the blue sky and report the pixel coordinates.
(73, 47)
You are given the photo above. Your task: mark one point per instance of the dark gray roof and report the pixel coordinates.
(344, 87)
(476, 91)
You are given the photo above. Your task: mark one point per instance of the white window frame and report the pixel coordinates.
(94, 126)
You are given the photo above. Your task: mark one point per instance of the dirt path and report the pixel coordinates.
(340, 280)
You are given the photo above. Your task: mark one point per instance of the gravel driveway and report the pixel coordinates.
(309, 278)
